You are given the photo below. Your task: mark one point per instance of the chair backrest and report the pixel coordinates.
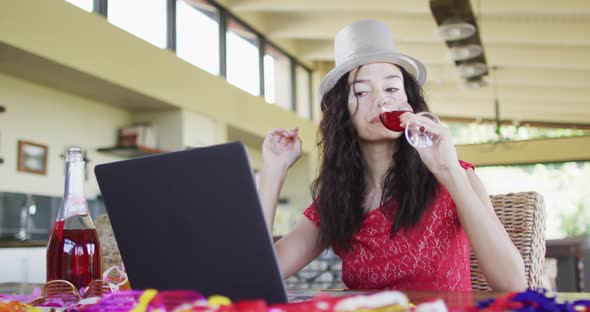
(523, 216)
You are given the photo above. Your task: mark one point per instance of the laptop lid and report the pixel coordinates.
(192, 220)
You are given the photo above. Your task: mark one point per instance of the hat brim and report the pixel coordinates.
(410, 64)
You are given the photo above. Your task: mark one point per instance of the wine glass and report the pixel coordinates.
(415, 131)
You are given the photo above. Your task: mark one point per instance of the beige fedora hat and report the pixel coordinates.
(364, 42)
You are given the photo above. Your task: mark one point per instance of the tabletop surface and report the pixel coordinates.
(452, 299)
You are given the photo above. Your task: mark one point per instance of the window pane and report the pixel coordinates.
(197, 34)
(145, 19)
(277, 78)
(87, 5)
(242, 58)
(302, 76)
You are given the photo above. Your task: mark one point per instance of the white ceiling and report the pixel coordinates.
(541, 49)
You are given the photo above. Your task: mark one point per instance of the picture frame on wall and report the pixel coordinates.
(32, 157)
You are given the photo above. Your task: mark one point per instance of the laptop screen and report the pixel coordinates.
(192, 220)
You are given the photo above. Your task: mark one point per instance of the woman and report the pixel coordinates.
(399, 217)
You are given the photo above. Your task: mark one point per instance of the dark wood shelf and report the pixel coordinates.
(130, 151)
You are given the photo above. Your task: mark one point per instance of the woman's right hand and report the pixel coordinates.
(281, 147)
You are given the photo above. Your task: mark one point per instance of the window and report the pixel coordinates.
(144, 19)
(302, 77)
(277, 78)
(473, 133)
(197, 34)
(87, 5)
(564, 187)
(242, 57)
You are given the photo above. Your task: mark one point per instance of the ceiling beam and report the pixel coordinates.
(547, 57)
(512, 75)
(496, 7)
(509, 75)
(527, 152)
(527, 123)
(485, 106)
(402, 6)
(323, 50)
(544, 95)
(532, 7)
(325, 25)
(509, 110)
(522, 30)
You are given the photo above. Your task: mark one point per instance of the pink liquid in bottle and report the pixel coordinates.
(73, 255)
(73, 251)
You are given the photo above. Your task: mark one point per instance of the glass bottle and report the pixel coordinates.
(73, 251)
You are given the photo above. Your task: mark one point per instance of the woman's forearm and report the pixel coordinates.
(271, 181)
(498, 258)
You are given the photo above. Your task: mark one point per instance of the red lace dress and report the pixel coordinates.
(433, 255)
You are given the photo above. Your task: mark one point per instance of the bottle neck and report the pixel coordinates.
(74, 180)
(74, 201)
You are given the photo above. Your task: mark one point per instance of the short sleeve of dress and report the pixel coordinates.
(312, 214)
(466, 165)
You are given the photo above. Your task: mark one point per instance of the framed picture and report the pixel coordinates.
(32, 157)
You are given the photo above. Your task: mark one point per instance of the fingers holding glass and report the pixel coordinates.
(422, 130)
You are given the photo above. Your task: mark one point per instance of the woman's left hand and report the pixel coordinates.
(441, 157)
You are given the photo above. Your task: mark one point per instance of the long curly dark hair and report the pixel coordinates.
(341, 186)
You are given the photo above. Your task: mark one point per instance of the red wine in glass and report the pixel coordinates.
(391, 119)
(73, 254)
(416, 129)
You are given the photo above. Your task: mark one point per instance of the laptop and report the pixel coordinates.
(192, 220)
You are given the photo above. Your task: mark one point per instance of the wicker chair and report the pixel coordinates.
(523, 216)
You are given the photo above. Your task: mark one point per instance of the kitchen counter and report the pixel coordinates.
(15, 243)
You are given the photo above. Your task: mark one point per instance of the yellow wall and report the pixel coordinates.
(296, 187)
(56, 119)
(61, 33)
(84, 54)
(178, 129)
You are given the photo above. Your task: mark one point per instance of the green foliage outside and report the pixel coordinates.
(565, 188)
(481, 133)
